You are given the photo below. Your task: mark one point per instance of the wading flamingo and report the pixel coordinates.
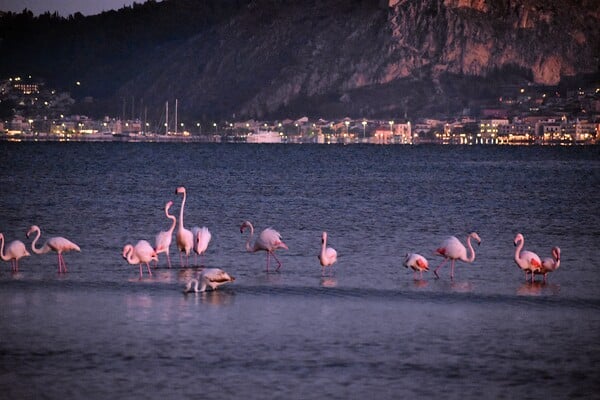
(142, 253)
(453, 249)
(184, 237)
(528, 261)
(417, 263)
(202, 238)
(14, 251)
(57, 243)
(269, 241)
(550, 264)
(163, 238)
(328, 255)
(213, 277)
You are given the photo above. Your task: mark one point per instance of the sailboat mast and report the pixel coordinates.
(175, 116)
(167, 118)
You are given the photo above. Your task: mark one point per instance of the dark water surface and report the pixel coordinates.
(365, 330)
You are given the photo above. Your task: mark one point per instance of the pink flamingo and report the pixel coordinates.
(417, 263)
(453, 249)
(184, 237)
(202, 238)
(528, 261)
(163, 238)
(57, 243)
(550, 264)
(213, 277)
(269, 241)
(328, 255)
(142, 253)
(15, 250)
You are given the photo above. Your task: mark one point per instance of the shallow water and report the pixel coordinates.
(364, 329)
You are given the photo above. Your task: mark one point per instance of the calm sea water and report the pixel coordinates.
(364, 330)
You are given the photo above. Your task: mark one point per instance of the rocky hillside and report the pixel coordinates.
(328, 58)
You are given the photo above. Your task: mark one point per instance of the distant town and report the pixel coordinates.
(31, 111)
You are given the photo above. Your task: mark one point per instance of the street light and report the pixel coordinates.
(391, 129)
(364, 124)
(199, 128)
(347, 123)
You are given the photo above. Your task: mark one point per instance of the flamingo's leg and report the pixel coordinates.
(140, 270)
(278, 262)
(168, 259)
(452, 270)
(439, 266)
(148, 266)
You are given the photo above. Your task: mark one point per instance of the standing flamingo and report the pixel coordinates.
(550, 264)
(14, 251)
(184, 237)
(213, 277)
(57, 243)
(328, 255)
(202, 238)
(417, 263)
(269, 241)
(163, 238)
(141, 253)
(453, 249)
(528, 261)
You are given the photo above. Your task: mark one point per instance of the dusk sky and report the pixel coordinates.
(64, 7)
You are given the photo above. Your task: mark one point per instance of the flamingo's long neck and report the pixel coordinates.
(181, 228)
(129, 255)
(171, 217)
(248, 247)
(4, 257)
(556, 255)
(470, 258)
(323, 247)
(42, 250)
(520, 245)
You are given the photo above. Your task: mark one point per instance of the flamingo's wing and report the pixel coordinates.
(59, 243)
(204, 237)
(422, 263)
(270, 239)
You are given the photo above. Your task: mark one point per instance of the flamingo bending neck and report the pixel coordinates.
(45, 248)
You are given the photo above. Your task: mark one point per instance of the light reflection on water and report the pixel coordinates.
(363, 329)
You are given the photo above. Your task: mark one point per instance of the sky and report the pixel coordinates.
(65, 7)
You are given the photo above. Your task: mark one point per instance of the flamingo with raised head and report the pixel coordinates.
(56, 243)
(202, 238)
(14, 251)
(328, 255)
(213, 277)
(453, 249)
(184, 237)
(417, 263)
(550, 264)
(142, 253)
(164, 238)
(528, 261)
(269, 241)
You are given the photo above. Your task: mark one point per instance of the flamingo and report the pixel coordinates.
(141, 253)
(528, 261)
(184, 237)
(213, 277)
(163, 238)
(202, 237)
(550, 264)
(15, 250)
(453, 249)
(328, 255)
(417, 263)
(57, 243)
(269, 241)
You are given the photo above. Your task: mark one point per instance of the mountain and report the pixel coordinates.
(276, 58)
